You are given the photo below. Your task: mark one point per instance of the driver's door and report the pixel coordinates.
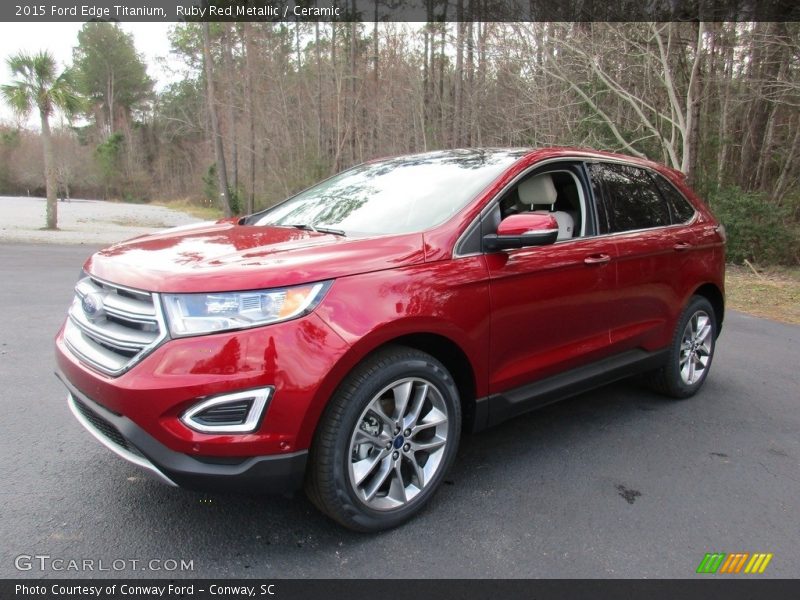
(550, 305)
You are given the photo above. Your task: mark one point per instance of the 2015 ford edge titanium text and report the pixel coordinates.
(344, 339)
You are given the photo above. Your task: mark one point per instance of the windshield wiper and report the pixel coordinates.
(315, 229)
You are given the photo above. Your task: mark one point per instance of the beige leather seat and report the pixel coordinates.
(540, 191)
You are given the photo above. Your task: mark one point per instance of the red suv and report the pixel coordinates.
(344, 338)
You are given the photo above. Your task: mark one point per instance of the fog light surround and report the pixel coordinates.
(258, 399)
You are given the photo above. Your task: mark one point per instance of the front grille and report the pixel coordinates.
(111, 327)
(101, 425)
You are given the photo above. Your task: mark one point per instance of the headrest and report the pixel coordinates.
(537, 190)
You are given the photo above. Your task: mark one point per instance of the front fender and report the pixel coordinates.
(449, 299)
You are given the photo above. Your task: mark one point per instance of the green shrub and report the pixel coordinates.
(210, 190)
(132, 198)
(236, 200)
(757, 229)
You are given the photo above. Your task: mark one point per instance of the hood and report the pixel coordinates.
(225, 256)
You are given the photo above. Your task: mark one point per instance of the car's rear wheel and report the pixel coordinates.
(691, 352)
(385, 441)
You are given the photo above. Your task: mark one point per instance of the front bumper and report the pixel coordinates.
(297, 358)
(269, 474)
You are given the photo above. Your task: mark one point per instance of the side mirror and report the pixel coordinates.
(523, 230)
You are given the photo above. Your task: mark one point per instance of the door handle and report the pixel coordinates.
(597, 259)
(680, 246)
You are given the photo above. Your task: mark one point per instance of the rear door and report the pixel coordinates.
(636, 216)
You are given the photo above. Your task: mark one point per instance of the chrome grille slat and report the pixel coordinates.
(126, 350)
(122, 306)
(130, 307)
(120, 288)
(123, 327)
(91, 352)
(112, 333)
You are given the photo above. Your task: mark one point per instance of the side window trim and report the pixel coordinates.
(599, 194)
(590, 202)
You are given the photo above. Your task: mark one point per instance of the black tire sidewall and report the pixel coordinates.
(421, 366)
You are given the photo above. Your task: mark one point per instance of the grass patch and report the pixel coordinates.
(207, 213)
(774, 293)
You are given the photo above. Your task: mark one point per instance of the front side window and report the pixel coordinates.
(399, 195)
(631, 200)
(565, 201)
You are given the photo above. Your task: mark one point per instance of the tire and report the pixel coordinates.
(353, 474)
(690, 354)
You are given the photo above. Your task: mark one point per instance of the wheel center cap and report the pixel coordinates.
(398, 442)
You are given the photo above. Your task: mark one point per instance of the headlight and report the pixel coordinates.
(195, 314)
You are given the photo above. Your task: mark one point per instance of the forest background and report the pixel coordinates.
(267, 109)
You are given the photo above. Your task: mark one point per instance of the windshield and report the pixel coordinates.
(399, 195)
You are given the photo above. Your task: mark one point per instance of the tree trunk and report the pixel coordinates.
(729, 41)
(783, 178)
(110, 100)
(318, 58)
(376, 123)
(442, 60)
(297, 45)
(691, 136)
(458, 101)
(764, 68)
(479, 105)
(766, 155)
(219, 150)
(336, 140)
(352, 118)
(49, 173)
(467, 106)
(426, 72)
(251, 117)
(231, 99)
(375, 47)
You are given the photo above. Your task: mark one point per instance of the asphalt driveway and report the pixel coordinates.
(615, 483)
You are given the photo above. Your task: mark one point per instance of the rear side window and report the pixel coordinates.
(680, 207)
(630, 199)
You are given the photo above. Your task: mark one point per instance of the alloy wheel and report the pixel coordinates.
(398, 444)
(696, 348)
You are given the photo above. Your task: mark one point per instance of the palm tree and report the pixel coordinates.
(38, 85)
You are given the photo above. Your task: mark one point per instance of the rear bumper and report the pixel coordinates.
(266, 474)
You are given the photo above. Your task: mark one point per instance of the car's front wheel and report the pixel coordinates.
(385, 441)
(691, 352)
